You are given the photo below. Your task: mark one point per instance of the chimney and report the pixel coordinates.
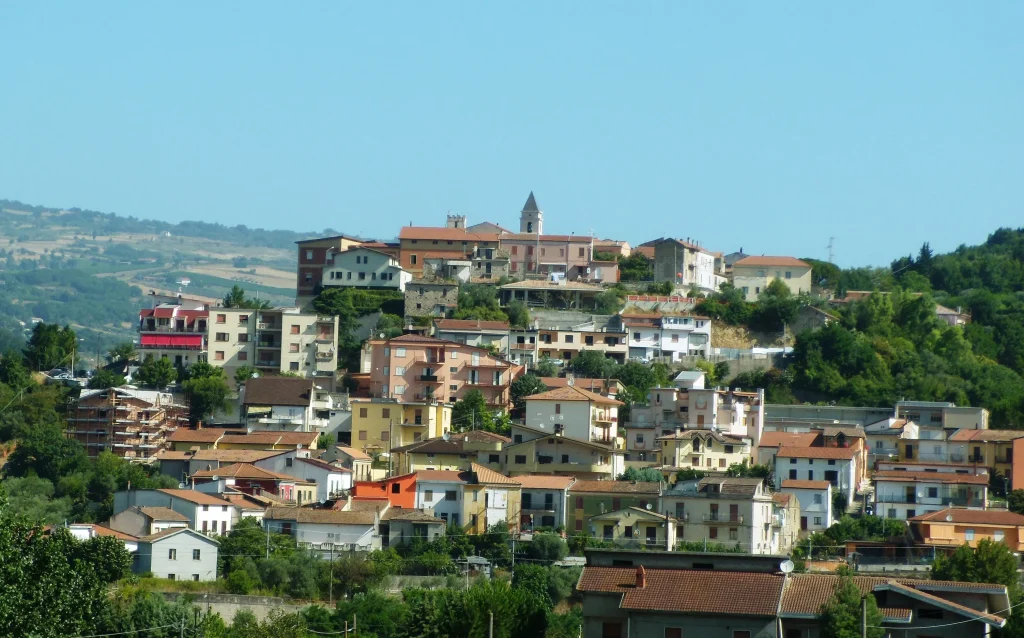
(641, 577)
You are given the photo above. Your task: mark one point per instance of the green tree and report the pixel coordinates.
(608, 302)
(123, 352)
(546, 368)
(50, 346)
(1015, 501)
(532, 580)
(636, 267)
(235, 297)
(471, 413)
(989, 562)
(13, 372)
(745, 470)
(649, 474)
(206, 395)
(32, 497)
(689, 474)
(479, 301)
(518, 314)
(592, 364)
(841, 616)
(44, 450)
(104, 379)
(524, 386)
(244, 373)
(546, 547)
(156, 373)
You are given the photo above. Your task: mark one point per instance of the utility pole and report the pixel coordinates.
(330, 595)
(864, 617)
(354, 627)
(346, 629)
(268, 539)
(490, 630)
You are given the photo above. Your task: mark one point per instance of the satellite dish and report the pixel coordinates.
(445, 435)
(949, 518)
(648, 506)
(786, 566)
(181, 486)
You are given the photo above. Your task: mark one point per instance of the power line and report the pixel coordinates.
(960, 622)
(133, 631)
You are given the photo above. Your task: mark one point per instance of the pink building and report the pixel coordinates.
(415, 368)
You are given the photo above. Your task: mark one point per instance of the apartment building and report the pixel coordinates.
(944, 414)
(274, 341)
(654, 335)
(544, 501)
(361, 267)
(206, 513)
(837, 465)
(815, 499)
(955, 526)
(589, 498)
(177, 332)
(421, 243)
(452, 451)
(686, 264)
(312, 255)
(904, 493)
(737, 512)
(753, 274)
(133, 424)
(493, 335)
(285, 403)
(256, 481)
(483, 265)
(416, 368)
(566, 344)
(473, 500)
(381, 424)
(707, 450)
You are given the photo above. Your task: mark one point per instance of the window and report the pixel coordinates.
(293, 366)
(629, 531)
(362, 413)
(792, 461)
(789, 274)
(218, 355)
(453, 387)
(713, 532)
(449, 495)
(362, 435)
(399, 352)
(998, 536)
(568, 338)
(243, 337)
(454, 355)
(831, 461)
(172, 554)
(412, 259)
(195, 577)
(579, 502)
(195, 554)
(428, 495)
(222, 318)
(221, 336)
(640, 437)
(817, 520)
(520, 459)
(453, 369)
(734, 534)
(384, 435)
(170, 576)
(792, 474)
(740, 633)
(243, 356)
(293, 347)
(583, 252)
(616, 503)
(294, 329)
(933, 492)
(399, 370)
(242, 319)
(558, 408)
(288, 462)
(810, 475)
(673, 632)
(399, 389)
(817, 499)
(968, 534)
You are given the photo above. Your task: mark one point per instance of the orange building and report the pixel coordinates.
(414, 368)
(955, 526)
(311, 259)
(399, 490)
(419, 243)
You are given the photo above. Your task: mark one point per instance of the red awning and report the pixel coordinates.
(188, 341)
(172, 341)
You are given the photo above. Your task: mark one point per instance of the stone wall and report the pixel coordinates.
(426, 299)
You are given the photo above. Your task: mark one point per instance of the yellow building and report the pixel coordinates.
(991, 448)
(953, 527)
(456, 452)
(379, 425)
(706, 450)
(635, 527)
(562, 456)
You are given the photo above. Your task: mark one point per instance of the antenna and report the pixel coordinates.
(787, 566)
(831, 250)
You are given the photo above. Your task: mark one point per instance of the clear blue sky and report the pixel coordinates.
(770, 126)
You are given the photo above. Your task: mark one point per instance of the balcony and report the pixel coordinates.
(723, 518)
(429, 378)
(606, 440)
(324, 338)
(324, 356)
(942, 499)
(268, 326)
(268, 363)
(776, 520)
(885, 451)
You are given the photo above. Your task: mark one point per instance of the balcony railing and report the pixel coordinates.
(776, 520)
(267, 363)
(721, 517)
(885, 451)
(942, 499)
(430, 378)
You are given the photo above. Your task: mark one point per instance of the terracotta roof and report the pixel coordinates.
(971, 517)
(688, 591)
(895, 614)
(187, 435)
(770, 261)
(572, 393)
(646, 251)
(533, 237)
(730, 486)
(243, 502)
(323, 465)
(592, 385)
(788, 439)
(543, 482)
(469, 324)
(411, 515)
(354, 453)
(163, 514)
(794, 484)
(272, 438)
(807, 593)
(788, 451)
(487, 475)
(319, 239)
(171, 531)
(320, 516)
(453, 234)
(244, 471)
(234, 456)
(780, 498)
(729, 439)
(272, 390)
(616, 487)
(987, 435)
(848, 431)
(443, 476)
(200, 498)
(929, 477)
(100, 530)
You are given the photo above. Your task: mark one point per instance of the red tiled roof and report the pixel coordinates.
(572, 393)
(245, 471)
(929, 477)
(487, 475)
(788, 439)
(646, 251)
(453, 234)
(272, 438)
(593, 385)
(443, 476)
(688, 591)
(196, 497)
(788, 451)
(941, 603)
(971, 517)
(987, 435)
(781, 498)
(205, 435)
(794, 484)
(765, 260)
(616, 487)
(543, 482)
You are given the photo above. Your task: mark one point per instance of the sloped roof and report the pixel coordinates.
(907, 476)
(200, 498)
(572, 393)
(305, 439)
(765, 260)
(545, 482)
(163, 514)
(987, 435)
(204, 435)
(233, 456)
(487, 475)
(272, 390)
(444, 233)
(173, 531)
(320, 516)
(245, 471)
(688, 591)
(817, 452)
(443, 476)
(410, 515)
(795, 484)
(942, 603)
(592, 385)
(470, 324)
(531, 204)
(788, 439)
(616, 487)
(101, 530)
(971, 517)
(353, 453)
(323, 465)
(730, 486)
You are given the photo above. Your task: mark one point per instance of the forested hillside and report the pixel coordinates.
(893, 346)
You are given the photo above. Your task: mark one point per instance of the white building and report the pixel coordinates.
(671, 336)
(324, 530)
(753, 274)
(544, 500)
(364, 268)
(904, 494)
(575, 413)
(89, 531)
(331, 481)
(206, 513)
(289, 404)
(177, 554)
(836, 465)
(442, 492)
(815, 498)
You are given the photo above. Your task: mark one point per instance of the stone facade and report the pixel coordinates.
(430, 298)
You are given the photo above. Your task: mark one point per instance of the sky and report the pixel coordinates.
(770, 127)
